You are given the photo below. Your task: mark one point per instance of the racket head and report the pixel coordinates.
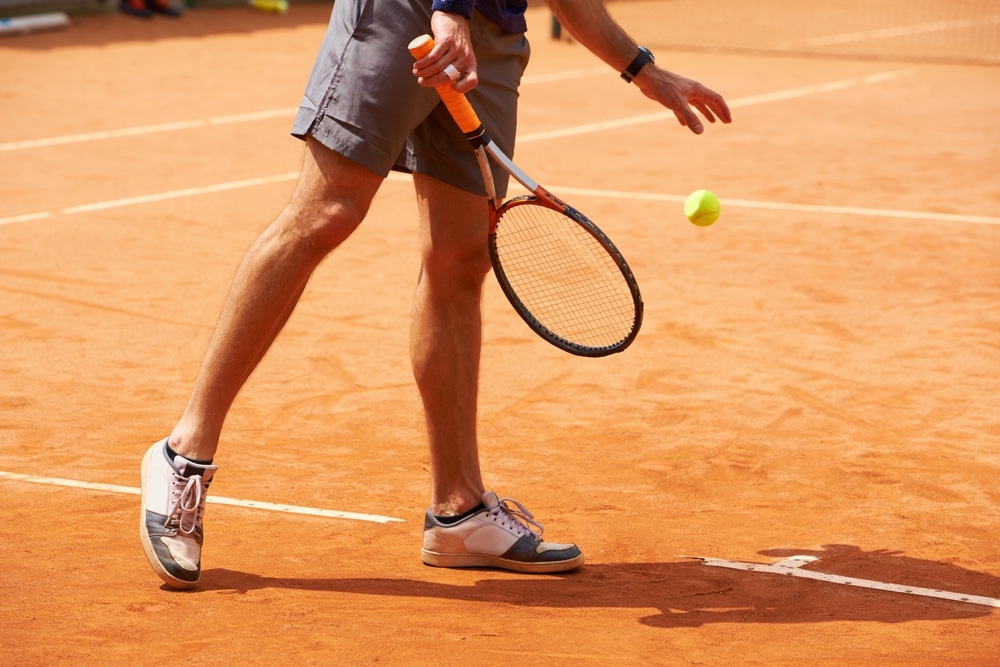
(564, 276)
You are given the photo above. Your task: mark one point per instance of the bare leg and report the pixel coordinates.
(330, 201)
(446, 335)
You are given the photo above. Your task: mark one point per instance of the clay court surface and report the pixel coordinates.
(818, 374)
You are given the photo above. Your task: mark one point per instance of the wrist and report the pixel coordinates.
(642, 58)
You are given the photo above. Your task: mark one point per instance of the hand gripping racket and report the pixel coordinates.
(561, 273)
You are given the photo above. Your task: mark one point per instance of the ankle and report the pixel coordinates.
(191, 449)
(457, 504)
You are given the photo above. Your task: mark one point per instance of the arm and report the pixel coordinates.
(591, 25)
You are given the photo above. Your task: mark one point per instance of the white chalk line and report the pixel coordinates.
(890, 33)
(792, 567)
(764, 98)
(147, 129)
(539, 78)
(779, 206)
(218, 500)
(566, 75)
(155, 197)
(842, 84)
(560, 189)
(231, 119)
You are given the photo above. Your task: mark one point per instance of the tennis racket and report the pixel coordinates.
(562, 274)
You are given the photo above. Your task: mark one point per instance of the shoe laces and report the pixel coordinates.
(188, 503)
(519, 517)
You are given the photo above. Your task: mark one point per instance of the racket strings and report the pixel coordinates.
(564, 276)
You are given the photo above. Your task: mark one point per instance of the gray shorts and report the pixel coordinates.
(363, 102)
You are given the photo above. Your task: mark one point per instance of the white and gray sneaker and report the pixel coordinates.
(503, 535)
(173, 508)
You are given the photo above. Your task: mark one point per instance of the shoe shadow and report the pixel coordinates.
(686, 593)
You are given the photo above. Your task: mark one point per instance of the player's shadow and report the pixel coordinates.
(686, 593)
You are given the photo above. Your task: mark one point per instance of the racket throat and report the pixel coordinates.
(484, 166)
(484, 145)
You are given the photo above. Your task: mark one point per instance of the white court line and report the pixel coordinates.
(778, 206)
(538, 78)
(147, 129)
(561, 189)
(842, 84)
(567, 75)
(218, 500)
(176, 194)
(791, 567)
(234, 118)
(890, 33)
(805, 91)
(159, 196)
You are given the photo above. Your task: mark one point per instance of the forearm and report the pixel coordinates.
(590, 24)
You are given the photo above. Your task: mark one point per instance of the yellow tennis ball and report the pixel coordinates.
(702, 208)
(274, 6)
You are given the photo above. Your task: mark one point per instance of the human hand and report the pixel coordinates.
(679, 94)
(452, 47)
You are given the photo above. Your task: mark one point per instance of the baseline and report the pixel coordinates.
(792, 567)
(786, 206)
(250, 116)
(539, 78)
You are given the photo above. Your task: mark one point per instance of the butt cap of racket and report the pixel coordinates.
(421, 46)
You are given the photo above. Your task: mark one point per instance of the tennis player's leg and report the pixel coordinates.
(465, 526)
(356, 111)
(331, 199)
(446, 334)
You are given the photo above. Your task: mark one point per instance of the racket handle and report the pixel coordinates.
(458, 105)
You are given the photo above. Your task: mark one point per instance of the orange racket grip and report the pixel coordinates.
(458, 104)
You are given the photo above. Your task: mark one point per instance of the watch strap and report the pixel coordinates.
(643, 58)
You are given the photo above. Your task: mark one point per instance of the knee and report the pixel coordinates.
(457, 266)
(319, 227)
(333, 223)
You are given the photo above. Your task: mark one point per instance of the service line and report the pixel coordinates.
(528, 80)
(231, 119)
(842, 84)
(219, 500)
(147, 129)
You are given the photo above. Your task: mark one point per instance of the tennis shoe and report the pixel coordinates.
(173, 509)
(504, 535)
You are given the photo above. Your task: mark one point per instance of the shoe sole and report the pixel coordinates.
(480, 560)
(147, 543)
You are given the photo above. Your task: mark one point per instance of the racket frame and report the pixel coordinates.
(484, 149)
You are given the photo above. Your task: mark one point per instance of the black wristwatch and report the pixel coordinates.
(643, 58)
